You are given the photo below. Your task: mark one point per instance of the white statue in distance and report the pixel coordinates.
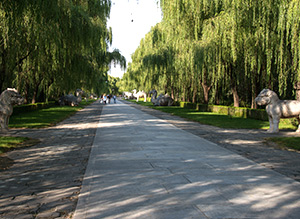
(277, 108)
(8, 99)
(139, 94)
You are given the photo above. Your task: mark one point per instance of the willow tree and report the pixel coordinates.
(289, 46)
(231, 47)
(150, 64)
(184, 21)
(258, 22)
(159, 61)
(54, 47)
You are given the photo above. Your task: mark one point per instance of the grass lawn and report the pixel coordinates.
(44, 117)
(215, 119)
(286, 142)
(9, 143)
(36, 119)
(225, 121)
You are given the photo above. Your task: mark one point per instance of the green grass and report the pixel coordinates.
(36, 119)
(225, 121)
(219, 120)
(44, 117)
(286, 142)
(214, 119)
(9, 143)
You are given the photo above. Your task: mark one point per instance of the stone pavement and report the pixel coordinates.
(249, 143)
(143, 167)
(45, 180)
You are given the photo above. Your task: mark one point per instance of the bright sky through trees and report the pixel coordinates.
(130, 21)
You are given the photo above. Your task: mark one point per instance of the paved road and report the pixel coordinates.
(143, 167)
(45, 179)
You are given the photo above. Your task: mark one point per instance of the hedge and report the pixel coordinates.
(259, 114)
(242, 112)
(30, 107)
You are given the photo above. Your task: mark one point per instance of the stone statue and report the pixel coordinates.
(277, 108)
(8, 99)
(139, 94)
(162, 100)
(127, 95)
(70, 99)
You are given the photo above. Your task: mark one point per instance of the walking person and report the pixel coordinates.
(115, 98)
(109, 96)
(104, 98)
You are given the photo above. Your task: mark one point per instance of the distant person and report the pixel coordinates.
(115, 98)
(101, 99)
(104, 98)
(108, 97)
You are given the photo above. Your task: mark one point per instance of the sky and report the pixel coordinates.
(130, 21)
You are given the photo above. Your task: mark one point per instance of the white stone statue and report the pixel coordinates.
(127, 95)
(139, 94)
(162, 100)
(277, 108)
(8, 99)
(70, 99)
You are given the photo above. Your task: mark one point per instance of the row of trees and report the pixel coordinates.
(48, 48)
(220, 51)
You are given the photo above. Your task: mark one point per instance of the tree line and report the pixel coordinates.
(50, 48)
(220, 52)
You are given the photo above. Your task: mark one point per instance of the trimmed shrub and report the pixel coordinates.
(30, 107)
(241, 112)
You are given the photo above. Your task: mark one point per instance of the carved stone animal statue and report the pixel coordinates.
(139, 94)
(162, 100)
(8, 99)
(79, 94)
(127, 95)
(70, 99)
(277, 108)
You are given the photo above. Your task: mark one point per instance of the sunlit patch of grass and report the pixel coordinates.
(44, 117)
(8, 143)
(215, 119)
(286, 142)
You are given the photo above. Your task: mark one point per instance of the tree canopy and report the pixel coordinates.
(53, 47)
(221, 52)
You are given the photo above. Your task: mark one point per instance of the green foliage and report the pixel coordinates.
(40, 118)
(31, 107)
(220, 51)
(49, 48)
(8, 143)
(287, 142)
(217, 119)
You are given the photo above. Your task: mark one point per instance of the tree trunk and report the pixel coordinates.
(236, 98)
(26, 92)
(253, 103)
(34, 95)
(194, 95)
(217, 99)
(188, 94)
(297, 88)
(172, 93)
(233, 84)
(2, 69)
(206, 90)
(36, 89)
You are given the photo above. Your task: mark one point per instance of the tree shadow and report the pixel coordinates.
(45, 179)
